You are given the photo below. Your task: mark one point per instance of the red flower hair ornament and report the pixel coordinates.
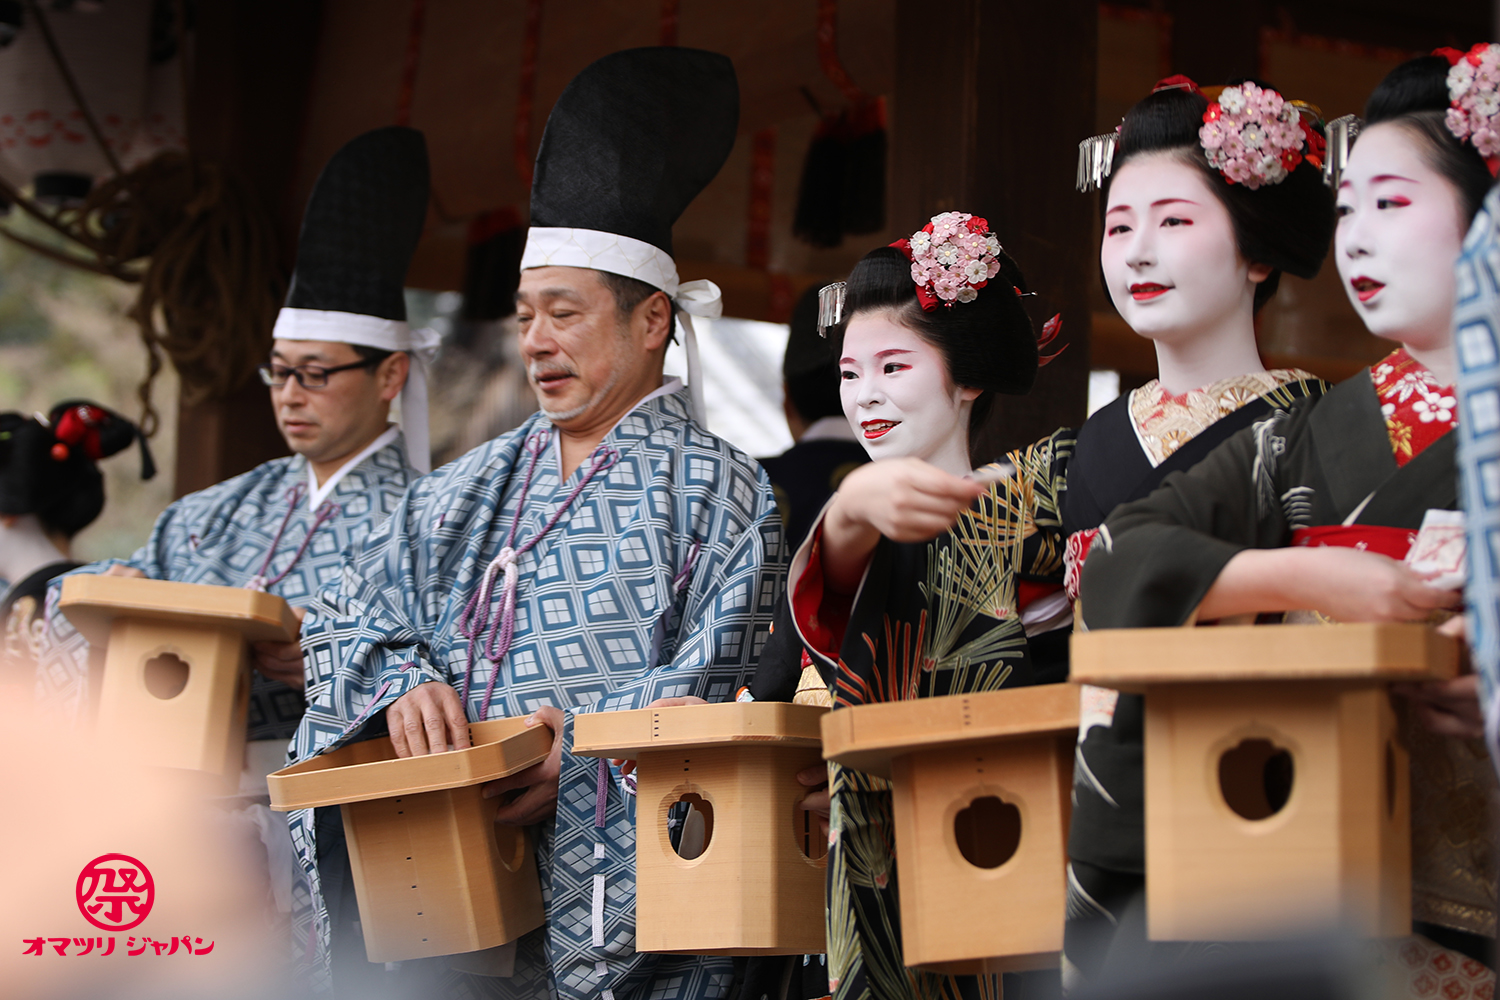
(952, 258)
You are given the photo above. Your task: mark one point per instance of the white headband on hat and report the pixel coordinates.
(385, 335)
(548, 246)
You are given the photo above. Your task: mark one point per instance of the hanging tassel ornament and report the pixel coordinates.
(843, 178)
(1096, 155)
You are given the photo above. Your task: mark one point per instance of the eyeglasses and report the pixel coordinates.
(307, 376)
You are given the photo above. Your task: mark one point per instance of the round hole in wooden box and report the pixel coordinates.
(988, 831)
(1390, 780)
(510, 841)
(1256, 778)
(165, 675)
(690, 825)
(808, 833)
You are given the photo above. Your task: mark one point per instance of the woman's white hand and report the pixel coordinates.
(904, 499)
(1348, 585)
(1356, 586)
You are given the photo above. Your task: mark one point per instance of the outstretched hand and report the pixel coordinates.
(903, 499)
(1357, 586)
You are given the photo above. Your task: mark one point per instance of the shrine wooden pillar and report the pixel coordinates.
(991, 101)
(252, 67)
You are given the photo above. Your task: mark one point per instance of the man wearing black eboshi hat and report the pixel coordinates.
(607, 553)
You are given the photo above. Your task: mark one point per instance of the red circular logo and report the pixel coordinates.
(115, 892)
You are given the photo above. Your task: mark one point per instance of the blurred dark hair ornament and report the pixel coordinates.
(48, 464)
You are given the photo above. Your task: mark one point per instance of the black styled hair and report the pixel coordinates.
(62, 486)
(809, 369)
(989, 343)
(1286, 226)
(1414, 95)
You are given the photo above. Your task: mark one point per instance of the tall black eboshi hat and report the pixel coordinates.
(362, 225)
(360, 230)
(630, 143)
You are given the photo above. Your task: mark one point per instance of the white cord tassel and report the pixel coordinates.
(697, 298)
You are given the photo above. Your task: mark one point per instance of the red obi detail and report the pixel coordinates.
(1074, 554)
(1027, 592)
(1417, 410)
(1393, 542)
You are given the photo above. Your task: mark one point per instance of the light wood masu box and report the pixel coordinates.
(758, 886)
(433, 873)
(981, 787)
(1277, 787)
(176, 682)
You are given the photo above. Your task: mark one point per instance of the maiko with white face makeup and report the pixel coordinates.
(1401, 224)
(898, 395)
(915, 562)
(1310, 516)
(1171, 262)
(1195, 238)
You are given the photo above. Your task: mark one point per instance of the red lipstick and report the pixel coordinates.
(1366, 288)
(1147, 290)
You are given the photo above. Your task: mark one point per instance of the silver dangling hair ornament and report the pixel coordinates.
(1341, 133)
(1096, 155)
(830, 306)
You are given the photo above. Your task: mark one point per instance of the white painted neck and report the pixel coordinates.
(25, 548)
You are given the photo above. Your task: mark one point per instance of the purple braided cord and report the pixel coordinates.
(502, 627)
(476, 616)
(326, 511)
(293, 497)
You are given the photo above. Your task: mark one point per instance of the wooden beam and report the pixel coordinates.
(252, 67)
(983, 122)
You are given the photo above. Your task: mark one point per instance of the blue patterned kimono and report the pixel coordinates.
(658, 579)
(221, 535)
(1476, 325)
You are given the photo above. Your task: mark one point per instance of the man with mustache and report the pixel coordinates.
(607, 553)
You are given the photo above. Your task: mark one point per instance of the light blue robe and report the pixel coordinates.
(221, 535)
(659, 580)
(1476, 325)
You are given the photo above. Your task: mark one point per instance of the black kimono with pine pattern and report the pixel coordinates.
(929, 619)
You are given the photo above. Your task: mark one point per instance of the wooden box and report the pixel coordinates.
(176, 683)
(981, 791)
(1277, 788)
(757, 888)
(433, 873)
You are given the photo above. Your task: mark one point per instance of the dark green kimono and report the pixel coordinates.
(1316, 464)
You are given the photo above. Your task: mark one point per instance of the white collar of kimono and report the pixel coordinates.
(386, 335)
(316, 493)
(554, 246)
